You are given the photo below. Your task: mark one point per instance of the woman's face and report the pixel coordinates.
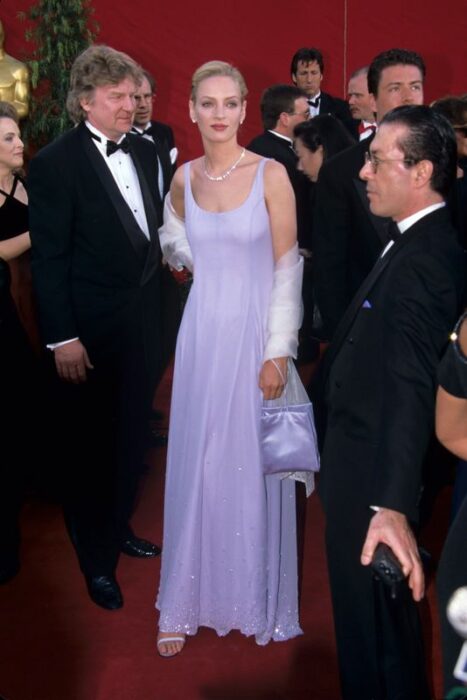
(218, 108)
(309, 162)
(11, 146)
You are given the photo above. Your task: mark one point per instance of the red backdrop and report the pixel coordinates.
(171, 39)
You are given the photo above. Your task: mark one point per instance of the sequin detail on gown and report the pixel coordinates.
(229, 558)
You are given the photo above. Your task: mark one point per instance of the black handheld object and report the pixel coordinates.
(386, 568)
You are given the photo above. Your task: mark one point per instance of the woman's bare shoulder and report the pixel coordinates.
(275, 177)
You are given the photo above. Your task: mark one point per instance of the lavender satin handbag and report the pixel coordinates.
(288, 436)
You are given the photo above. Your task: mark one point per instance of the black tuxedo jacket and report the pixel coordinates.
(347, 237)
(269, 145)
(95, 273)
(164, 141)
(382, 368)
(340, 109)
(164, 134)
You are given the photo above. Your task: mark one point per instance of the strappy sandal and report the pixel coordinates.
(167, 640)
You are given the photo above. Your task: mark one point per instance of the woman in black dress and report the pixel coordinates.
(451, 429)
(15, 352)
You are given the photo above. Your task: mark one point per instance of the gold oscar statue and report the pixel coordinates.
(14, 82)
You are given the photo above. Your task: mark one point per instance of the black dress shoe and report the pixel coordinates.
(157, 438)
(136, 547)
(8, 570)
(105, 592)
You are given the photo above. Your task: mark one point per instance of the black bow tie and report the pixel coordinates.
(314, 103)
(112, 147)
(148, 131)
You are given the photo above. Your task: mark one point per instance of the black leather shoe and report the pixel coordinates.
(157, 438)
(8, 570)
(105, 592)
(136, 547)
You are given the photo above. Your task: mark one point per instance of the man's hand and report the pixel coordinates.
(72, 361)
(392, 528)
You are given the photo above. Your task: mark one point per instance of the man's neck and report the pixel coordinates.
(421, 205)
(142, 127)
(279, 131)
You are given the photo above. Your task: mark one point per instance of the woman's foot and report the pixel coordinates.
(169, 644)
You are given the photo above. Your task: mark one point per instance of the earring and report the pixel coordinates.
(194, 121)
(241, 122)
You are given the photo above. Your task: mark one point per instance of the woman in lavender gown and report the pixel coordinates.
(229, 555)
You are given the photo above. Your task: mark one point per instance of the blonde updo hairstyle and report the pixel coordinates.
(214, 69)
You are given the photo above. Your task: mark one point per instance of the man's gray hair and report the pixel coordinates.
(95, 66)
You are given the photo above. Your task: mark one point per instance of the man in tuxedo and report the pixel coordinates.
(307, 70)
(347, 236)
(380, 391)
(360, 103)
(93, 200)
(160, 134)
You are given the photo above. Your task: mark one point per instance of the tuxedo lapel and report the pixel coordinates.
(128, 221)
(362, 294)
(151, 216)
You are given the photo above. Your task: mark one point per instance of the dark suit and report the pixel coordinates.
(328, 104)
(380, 395)
(347, 237)
(163, 139)
(96, 277)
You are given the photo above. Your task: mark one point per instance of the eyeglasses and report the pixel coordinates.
(305, 113)
(375, 162)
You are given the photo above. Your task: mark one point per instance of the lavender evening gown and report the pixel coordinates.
(229, 557)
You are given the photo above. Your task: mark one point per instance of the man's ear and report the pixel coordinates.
(294, 78)
(423, 172)
(85, 103)
(373, 103)
(283, 119)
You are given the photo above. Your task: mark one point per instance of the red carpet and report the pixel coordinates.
(57, 645)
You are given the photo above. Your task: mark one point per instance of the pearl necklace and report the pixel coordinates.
(228, 172)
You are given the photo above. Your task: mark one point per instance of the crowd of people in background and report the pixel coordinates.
(366, 200)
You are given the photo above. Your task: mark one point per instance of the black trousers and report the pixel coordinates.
(20, 427)
(379, 640)
(101, 426)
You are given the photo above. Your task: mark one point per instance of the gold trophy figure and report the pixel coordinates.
(14, 80)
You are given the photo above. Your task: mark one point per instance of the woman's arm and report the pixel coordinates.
(177, 192)
(280, 202)
(451, 422)
(13, 247)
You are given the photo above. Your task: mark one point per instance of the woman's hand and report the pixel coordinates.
(270, 381)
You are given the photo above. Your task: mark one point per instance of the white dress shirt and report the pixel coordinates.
(314, 111)
(411, 220)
